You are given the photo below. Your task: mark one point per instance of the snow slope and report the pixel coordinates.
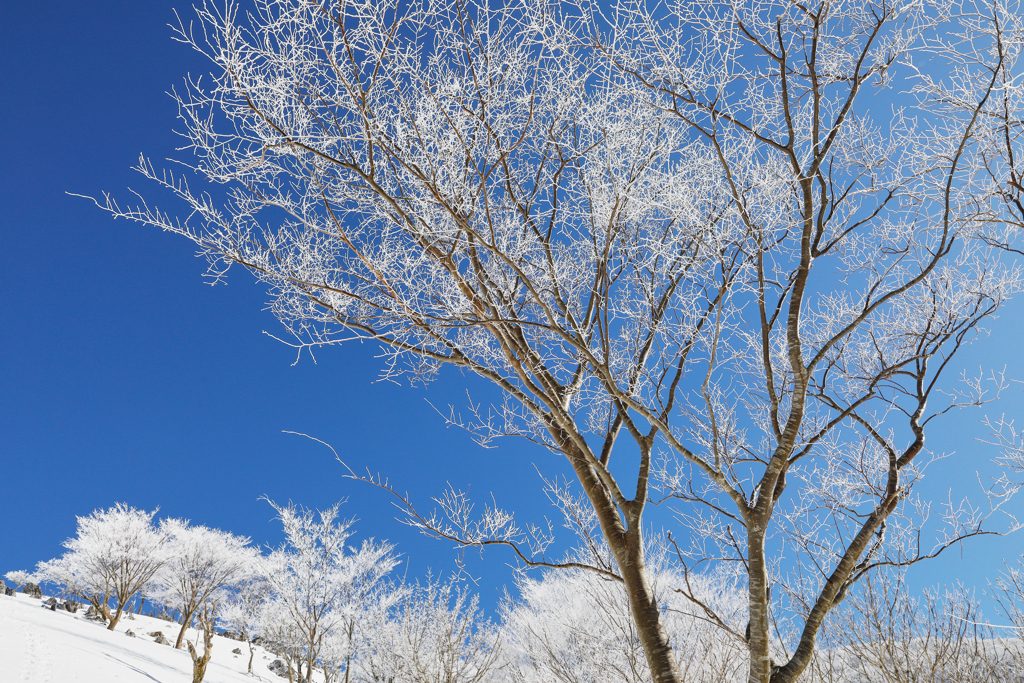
(40, 646)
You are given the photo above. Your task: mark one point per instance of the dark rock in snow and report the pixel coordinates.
(271, 646)
(237, 651)
(32, 590)
(53, 604)
(71, 606)
(9, 591)
(129, 633)
(279, 668)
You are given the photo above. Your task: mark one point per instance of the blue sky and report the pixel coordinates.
(123, 377)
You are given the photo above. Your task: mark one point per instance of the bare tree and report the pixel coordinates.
(840, 374)
(688, 227)
(115, 555)
(1008, 591)
(282, 632)
(435, 634)
(242, 609)
(319, 584)
(201, 562)
(888, 636)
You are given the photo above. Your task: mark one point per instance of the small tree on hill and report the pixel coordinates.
(201, 562)
(436, 633)
(115, 554)
(20, 577)
(319, 584)
(243, 607)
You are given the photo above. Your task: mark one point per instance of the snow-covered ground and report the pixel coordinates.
(40, 646)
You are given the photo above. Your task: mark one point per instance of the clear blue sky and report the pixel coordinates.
(123, 377)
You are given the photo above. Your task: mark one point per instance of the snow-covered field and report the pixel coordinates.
(40, 646)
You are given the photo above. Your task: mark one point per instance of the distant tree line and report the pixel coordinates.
(332, 612)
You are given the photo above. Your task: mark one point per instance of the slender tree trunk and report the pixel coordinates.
(186, 617)
(103, 606)
(199, 663)
(117, 616)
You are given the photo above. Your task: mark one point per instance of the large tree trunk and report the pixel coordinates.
(757, 584)
(627, 547)
(646, 613)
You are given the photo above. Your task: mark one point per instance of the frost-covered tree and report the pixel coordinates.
(1008, 591)
(20, 577)
(352, 637)
(436, 634)
(201, 563)
(718, 254)
(241, 611)
(884, 634)
(282, 635)
(319, 584)
(115, 554)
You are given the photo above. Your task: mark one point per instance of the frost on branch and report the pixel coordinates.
(242, 610)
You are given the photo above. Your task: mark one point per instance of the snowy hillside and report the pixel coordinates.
(41, 646)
